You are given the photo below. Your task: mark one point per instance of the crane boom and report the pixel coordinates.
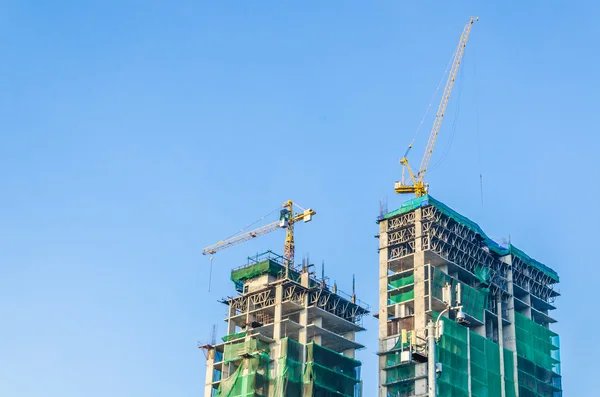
(418, 186)
(287, 219)
(460, 50)
(240, 238)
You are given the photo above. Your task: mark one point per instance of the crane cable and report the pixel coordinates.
(253, 223)
(477, 126)
(299, 207)
(210, 273)
(454, 123)
(430, 103)
(235, 234)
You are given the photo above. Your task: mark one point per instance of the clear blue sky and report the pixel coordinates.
(134, 133)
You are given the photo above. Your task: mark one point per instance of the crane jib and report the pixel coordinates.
(418, 185)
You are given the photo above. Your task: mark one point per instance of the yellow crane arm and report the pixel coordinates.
(286, 221)
(460, 50)
(418, 186)
(240, 238)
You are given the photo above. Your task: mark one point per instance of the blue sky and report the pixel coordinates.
(134, 133)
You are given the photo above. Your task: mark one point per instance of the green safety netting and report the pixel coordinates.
(330, 372)
(452, 354)
(537, 343)
(509, 373)
(268, 266)
(334, 360)
(538, 360)
(455, 347)
(426, 200)
(473, 301)
(395, 371)
(399, 374)
(247, 272)
(290, 375)
(251, 378)
(325, 373)
(402, 297)
(485, 367)
(326, 379)
(395, 351)
(401, 389)
(403, 281)
(440, 279)
(233, 336)
(236, 351)
(535, 381)
(483, 274)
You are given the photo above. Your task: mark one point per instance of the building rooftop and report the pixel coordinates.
(492, 245)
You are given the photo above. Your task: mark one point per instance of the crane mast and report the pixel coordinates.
(288, 248)
(418, 186)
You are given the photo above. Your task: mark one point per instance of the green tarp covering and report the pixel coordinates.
(246, 272)
(302, 370)
(485, 367)
(251, 378)
(399, 374)
(537, 343)
(238, 335)
(401, 282)
(402, 297)
(452, 353)
(472, 300)
(538, 359)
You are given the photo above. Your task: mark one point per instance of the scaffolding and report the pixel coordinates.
(289, 334)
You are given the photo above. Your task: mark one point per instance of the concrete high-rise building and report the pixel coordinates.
(493, 302)
(288, 334)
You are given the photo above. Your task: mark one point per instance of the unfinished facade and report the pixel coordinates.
(498, 344)
(288, 334)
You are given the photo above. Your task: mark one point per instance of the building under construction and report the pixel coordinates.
(493, 303)
(459, 314)
(288, 334)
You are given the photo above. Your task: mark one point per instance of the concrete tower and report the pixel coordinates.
(493, 303)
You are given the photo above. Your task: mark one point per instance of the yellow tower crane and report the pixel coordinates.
(287, 219)
(417, 184)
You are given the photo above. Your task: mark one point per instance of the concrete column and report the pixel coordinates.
(383, 301)
(419, 272)
(349, 352)
(305, 279)
(278, 312)
(527, 299)
(418, 230)
(303, 321)
(383, 279)
(421, 382)
(210, 360)
(230, 324)
(319, 323)
(469, 362)
(516, 374)
(501, 346)
(431, 375)
(508, 332)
